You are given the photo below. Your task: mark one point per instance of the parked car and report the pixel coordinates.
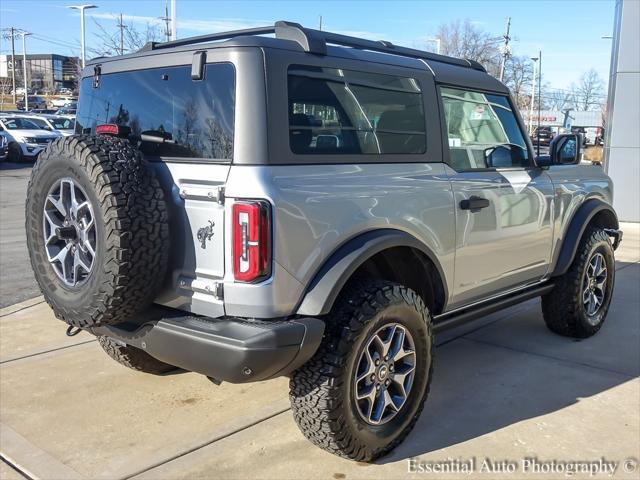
(64, 125)
(332, 209)
(26, 138)
(43, 111)
(34, 102)
(4, 146)
(69, 111)
(542, 134)
(582, 132)
(62, 101)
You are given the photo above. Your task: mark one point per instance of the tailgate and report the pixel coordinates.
(194, 195)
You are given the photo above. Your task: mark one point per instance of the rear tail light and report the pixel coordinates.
(251, 241)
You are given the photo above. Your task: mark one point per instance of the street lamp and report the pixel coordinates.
(437, 41)
(533, 94)
(24, 70)
(82, 8)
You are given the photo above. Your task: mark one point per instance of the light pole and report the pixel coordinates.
(174, 21)
(533, 94)
(82, 8)
(24, 70)
(435, 40)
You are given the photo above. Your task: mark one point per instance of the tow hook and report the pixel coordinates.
(73, 331)
(616, 235)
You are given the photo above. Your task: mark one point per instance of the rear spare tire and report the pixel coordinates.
(97, 230)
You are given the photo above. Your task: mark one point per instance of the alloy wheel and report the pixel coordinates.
(69, 232)
(594, 285)
(384, 374)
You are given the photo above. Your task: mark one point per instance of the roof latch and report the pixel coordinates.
(197, 65)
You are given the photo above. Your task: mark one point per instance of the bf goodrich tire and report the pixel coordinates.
(97, 230)
(363, 391)
(578, 304)
(133, 358)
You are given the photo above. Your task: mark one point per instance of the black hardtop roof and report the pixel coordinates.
(293, 36)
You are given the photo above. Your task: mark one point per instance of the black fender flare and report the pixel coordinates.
(343, 262)
(577, 226)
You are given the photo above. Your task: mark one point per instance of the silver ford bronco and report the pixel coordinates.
(285, 201)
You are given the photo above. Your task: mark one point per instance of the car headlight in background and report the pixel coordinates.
(30, 140)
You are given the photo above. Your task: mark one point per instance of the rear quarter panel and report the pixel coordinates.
(317, 208)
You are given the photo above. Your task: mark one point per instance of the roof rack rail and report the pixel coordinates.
(315, 41)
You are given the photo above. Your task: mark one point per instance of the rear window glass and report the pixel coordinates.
(164, 111)
(336, 111)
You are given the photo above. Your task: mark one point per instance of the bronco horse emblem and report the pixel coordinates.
(205, 233)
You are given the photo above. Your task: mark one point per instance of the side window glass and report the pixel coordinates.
(336, 111)
(482, 131)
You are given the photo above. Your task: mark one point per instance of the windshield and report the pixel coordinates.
(19, 124)
(62, 123)
(40, 122)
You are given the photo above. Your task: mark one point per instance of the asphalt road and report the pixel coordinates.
(16, 278)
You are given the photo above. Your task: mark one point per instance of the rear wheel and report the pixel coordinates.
(363, 391)
(133, 358)
(578, 304)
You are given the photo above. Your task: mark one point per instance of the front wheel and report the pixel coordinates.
(363, 391)
(14, 153)
(579, 302)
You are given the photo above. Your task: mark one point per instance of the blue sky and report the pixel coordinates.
(568, 32)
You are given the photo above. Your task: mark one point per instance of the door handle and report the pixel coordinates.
(473, 203)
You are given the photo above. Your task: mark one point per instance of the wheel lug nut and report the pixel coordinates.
(377, 362)
(386, 358)
(373, 377)
(378, 387)
(387, 382)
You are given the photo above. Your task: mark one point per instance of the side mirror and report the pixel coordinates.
(565, 149)
(504, 156)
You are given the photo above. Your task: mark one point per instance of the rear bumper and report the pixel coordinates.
(229, 349)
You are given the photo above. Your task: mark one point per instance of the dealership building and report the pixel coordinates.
(622, 142)
(45, 72)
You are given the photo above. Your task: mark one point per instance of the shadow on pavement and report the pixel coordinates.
(515, 369)
(15, 166)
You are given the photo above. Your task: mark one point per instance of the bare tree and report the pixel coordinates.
(518, 75)
(109, 39)
(589, 92)
(560, 100)
(463, 39)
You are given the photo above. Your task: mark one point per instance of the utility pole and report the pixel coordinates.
(121, 26)
(174, 21)
(11, 34)
(505, 48)
(167, 21)
(539, 95)
(533, 94)
(320, 28)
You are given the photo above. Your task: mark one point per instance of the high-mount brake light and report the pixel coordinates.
(107, 129)
(251, 241)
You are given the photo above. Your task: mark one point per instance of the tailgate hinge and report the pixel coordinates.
(97, 72)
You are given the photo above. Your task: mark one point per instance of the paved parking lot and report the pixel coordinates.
(504, 389)
(16, 281)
